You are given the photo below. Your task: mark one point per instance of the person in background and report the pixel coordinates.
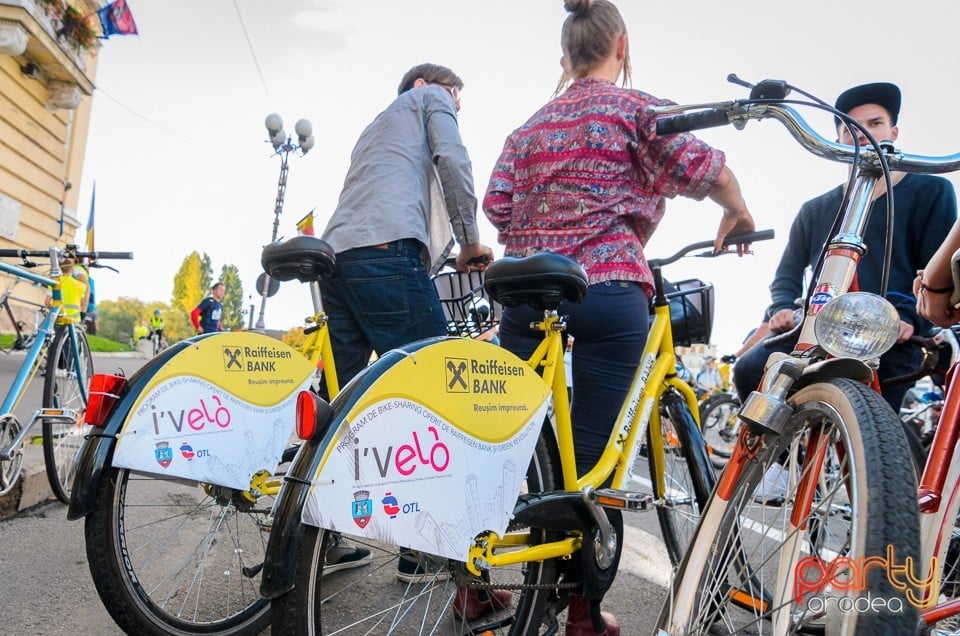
(140, 331)
(73, 290)
(587, 177)
(90, 314)
(206, 316)
(708, 378)
(156, 325)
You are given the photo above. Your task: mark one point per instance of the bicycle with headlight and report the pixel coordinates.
(827, 556)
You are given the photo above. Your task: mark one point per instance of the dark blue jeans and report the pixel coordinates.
(379, 299)
(900, 360)
(609, 330)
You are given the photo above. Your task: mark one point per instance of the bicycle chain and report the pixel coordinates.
(465, 579)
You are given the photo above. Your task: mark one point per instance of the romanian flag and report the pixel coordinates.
(93, 200)
(305, 225)
(116, 19)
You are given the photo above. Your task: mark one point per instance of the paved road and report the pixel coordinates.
(48, 590)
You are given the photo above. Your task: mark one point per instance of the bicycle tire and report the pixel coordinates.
(687, 488)
(169, 557)
(63, 440)
(856, 434)
(372, 600)
(718, 418)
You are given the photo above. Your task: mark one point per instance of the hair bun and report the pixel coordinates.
(577, 7)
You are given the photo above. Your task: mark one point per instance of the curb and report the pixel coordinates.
(33, 488)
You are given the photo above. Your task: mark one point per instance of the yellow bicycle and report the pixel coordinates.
(462, 452)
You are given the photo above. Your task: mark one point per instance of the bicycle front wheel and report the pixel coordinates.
(172, 557)
(687, 475)
(64, 389)
(374, 599)
(787, 552)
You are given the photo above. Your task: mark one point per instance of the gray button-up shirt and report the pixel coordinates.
(386, 194)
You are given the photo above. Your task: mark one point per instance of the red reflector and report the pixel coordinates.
(104, 392)
(306, 415)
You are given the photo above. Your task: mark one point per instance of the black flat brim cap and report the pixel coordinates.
(882, 93)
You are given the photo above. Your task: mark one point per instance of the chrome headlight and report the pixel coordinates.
(857, 325)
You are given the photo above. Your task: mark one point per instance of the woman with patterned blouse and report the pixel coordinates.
(587, 177)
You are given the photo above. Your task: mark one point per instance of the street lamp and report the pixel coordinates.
(282, 146)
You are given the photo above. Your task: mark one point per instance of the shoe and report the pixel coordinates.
(471, 603)
(772, 491)
(579, 622)
(341, 556)
(415, 567)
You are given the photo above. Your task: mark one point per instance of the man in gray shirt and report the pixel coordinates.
(389, 237)
(387, 242)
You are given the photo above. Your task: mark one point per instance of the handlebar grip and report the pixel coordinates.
(692, 121)
(22, 253)
(98, 255)
(749, 237)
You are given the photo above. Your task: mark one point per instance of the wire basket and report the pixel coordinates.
(691, 311)
(466, 306)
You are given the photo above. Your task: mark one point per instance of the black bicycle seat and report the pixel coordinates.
(305, 258)
(541, 281)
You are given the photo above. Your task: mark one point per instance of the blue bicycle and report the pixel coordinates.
(61, 354)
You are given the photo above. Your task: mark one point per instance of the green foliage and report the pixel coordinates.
(295, 337)
(232, 317)
(191, 282)
(116, 318)
(99, 344)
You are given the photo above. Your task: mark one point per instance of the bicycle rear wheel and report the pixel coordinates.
(172, 557)
(792, 567)
(64, 388)
(371, 599)
(687, 474)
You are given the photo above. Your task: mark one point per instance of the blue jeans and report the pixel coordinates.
(379, 298)
(609, 330)
(900, 360)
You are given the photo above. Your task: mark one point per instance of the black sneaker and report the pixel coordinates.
(342, 556)
(415, 567)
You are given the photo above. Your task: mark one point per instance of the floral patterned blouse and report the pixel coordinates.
(587, 177)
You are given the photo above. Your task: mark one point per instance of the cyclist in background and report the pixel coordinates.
(90, 313)
(156, 326)
(588, 177)
(74, 291)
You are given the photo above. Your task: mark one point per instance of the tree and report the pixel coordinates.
(117, 318)
(232, 317)
(192, 282)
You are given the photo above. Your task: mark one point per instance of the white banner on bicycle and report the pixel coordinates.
(437, 454)
(217, 412)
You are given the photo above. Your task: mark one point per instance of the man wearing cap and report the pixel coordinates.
(925, 208)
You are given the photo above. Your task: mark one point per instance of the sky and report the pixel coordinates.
(179, 152)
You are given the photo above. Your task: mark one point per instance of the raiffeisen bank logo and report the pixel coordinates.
(844, 584)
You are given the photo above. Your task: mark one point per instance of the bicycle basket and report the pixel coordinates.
(691, 311)
(466, 306)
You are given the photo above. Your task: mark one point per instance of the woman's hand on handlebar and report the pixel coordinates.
(734, 222)
(474, 257)
(935, 305)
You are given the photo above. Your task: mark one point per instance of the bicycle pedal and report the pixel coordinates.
(623, 499)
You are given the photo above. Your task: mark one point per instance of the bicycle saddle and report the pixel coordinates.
(305, 258)
(541, 281)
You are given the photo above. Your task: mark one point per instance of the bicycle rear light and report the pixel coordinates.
(313, 416)
(105, 392)
(857, 325)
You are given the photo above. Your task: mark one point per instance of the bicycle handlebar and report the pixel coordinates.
(749, 237)
(42, 253)
(739, 112)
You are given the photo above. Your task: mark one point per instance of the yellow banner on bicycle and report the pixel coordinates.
(435, 451)
(218, 411)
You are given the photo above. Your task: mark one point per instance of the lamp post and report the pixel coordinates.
(282, 146)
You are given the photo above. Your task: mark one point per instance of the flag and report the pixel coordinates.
(93, 200)
(305, 225)
(116, 19)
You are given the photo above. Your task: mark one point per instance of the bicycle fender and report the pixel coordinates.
(834, 368)
(98, 449)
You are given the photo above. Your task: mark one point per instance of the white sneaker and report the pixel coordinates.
(773, 489)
